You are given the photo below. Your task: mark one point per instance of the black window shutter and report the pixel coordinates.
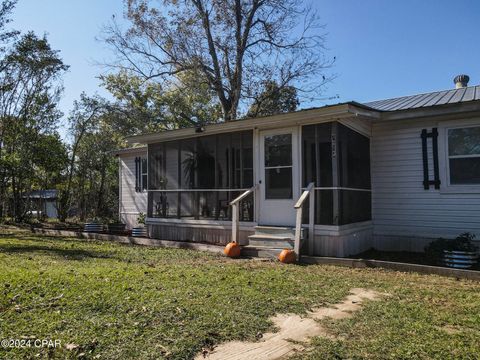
(436, 176)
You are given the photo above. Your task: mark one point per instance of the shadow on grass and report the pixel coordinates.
(13, 236)
(70, 254)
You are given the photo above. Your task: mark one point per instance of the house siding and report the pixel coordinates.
(405, 215)
(201, 233)
(132, 203)
(342, 241)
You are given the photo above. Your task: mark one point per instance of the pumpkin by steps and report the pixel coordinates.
(232, 250)
(287, 256)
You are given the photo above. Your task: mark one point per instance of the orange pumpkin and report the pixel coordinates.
(287, 256)
(232, 250)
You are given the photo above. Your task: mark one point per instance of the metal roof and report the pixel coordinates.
(42, 194)
(426, 100)
(436, 98)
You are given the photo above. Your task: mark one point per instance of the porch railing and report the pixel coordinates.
(236, 214)
(310, 193)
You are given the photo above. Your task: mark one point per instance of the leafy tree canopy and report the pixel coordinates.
(145, 106)
(30, 89)
(274, 99)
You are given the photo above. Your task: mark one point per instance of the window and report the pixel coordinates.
(337, 159)
(144, 174)
(464, 155)
(156, 165)
(354, 159)
(278, 166)
(141, 170)
(205, 165)
(353, 173)
(317, 167)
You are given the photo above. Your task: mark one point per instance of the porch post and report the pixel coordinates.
(298, 232)
(335, 173)
(311, 222)
(235, 223)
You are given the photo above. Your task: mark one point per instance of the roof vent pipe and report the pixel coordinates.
(461, 81)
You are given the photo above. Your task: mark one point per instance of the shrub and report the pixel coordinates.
(463, 242)
(141, 218)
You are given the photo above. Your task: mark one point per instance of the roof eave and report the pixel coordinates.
(282, 120)
(132, 150)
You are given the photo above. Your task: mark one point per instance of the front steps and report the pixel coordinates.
(269, 241)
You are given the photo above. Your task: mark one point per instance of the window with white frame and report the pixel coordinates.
(464, 155)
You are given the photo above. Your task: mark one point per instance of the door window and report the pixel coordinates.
(278, 166)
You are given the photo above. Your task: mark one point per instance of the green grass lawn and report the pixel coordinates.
(110, 301)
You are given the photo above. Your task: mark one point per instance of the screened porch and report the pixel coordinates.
(197, 178)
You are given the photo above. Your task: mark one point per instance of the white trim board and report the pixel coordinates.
(342, 229)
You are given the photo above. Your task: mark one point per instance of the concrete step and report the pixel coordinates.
(275, 230)
(279, 231)
(271, 241)
(260, 251)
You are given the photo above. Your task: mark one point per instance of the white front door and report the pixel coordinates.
(279, 176)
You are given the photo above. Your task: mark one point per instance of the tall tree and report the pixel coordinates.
(234, 44)
(274, 99)
(49, 157)
(95, 194)
(29, 93)
(84, 118)
(6, 35)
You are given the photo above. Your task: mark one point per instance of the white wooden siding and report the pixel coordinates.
(401, 208)
(131, 202)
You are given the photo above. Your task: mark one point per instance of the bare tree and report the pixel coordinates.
(233, 45)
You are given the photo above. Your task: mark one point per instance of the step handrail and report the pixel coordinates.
(309, 192)
(236, 212)
(304, 195)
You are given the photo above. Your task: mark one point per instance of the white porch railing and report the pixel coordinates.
(236, 212)
(309, 191)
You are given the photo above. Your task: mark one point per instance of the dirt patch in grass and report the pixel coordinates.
(293, 332)
(450, 329)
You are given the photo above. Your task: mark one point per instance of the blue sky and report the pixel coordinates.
(383, 48)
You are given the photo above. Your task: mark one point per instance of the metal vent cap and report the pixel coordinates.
(461, 81)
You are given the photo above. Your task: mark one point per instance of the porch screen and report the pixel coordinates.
(337, 159)
(200, 176)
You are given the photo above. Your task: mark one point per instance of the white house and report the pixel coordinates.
(391, 174)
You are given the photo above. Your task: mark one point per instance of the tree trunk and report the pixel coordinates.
(101, 189)
(3, 176)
